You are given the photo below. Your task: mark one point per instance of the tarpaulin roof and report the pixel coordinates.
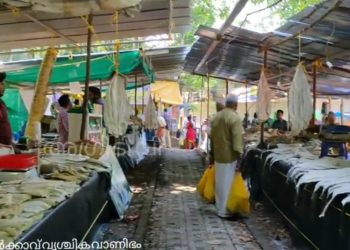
(324, 34)
(29, 29)
(167, 92)
(66, 70)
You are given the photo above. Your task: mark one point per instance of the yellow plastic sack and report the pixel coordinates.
(206, 186)
(238, 201)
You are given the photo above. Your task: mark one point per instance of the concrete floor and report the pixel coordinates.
(167, 212)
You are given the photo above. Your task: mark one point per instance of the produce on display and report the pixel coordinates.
(117, 108)
(24, 203)
(264, 97)
(330, 175)
(300, 101)
(39, 103)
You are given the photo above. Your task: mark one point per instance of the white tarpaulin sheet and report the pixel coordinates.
(263, 104)
(300, 104)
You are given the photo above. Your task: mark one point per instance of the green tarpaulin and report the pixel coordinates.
(18, 113)
(74, 70)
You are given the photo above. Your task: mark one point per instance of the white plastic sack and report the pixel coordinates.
(263, 104)
(116, 110)
(150, 115)
(300, 101)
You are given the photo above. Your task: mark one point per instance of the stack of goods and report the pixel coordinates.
(330, 175)
(73, 168)
(24, 203)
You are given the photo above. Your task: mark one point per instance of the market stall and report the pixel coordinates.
(299, 61)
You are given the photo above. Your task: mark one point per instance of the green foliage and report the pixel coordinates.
(288, 8)
(205, 12)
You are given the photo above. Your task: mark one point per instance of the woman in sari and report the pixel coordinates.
(190, 134)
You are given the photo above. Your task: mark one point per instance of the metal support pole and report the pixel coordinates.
(246, 98)
(208, 93)
(143, 99)
(87, 80)
(342, 110)
(226, 87)
(314, 78)
(135, 94)
(263, 123)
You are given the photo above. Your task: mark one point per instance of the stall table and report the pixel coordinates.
(300, 210)
(72, 219)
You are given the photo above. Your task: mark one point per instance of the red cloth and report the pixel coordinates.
(5, 127)
(191, 132)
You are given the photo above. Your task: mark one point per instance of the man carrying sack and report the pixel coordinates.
(227, 142)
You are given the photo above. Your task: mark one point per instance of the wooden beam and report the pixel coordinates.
(226, 87)
(87, 81)
(47, 27)
(235, 12)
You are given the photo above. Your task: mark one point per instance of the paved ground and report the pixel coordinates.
(167, 213)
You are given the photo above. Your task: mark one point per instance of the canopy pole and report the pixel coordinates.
(314, 76)
(135, 94)
(246, 98)
(143, 97)
(87, 80)
(201, 101)
(208, 93)
(226, 87)
(263, 123)
(342, 111)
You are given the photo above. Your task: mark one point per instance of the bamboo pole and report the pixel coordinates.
(246, 98)
(87, 80)
(263, 123)
(39, 103)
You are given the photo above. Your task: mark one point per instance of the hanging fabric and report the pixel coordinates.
(263, 104)
(300, 101)
(117, 108)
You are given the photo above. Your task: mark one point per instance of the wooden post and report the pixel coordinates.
(143, 99)
(246, 97)
(87, 80)
(208, 93)
(135, 94)
(263, 122)
(226, 87)
(342, 110)
(201, 101)
(314, 78)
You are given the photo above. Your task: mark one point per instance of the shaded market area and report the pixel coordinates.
(173, 124)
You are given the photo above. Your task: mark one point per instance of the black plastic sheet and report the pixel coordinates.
(303, 210)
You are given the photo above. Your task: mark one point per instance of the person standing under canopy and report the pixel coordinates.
(95, 96)
(227, 142)
(280, 124)
(63, 122)
(5, 127)
(190, 134)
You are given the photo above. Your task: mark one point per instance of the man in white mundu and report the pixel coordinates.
(227, 141)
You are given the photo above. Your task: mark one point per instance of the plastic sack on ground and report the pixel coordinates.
(206, 186)
(238, 201)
